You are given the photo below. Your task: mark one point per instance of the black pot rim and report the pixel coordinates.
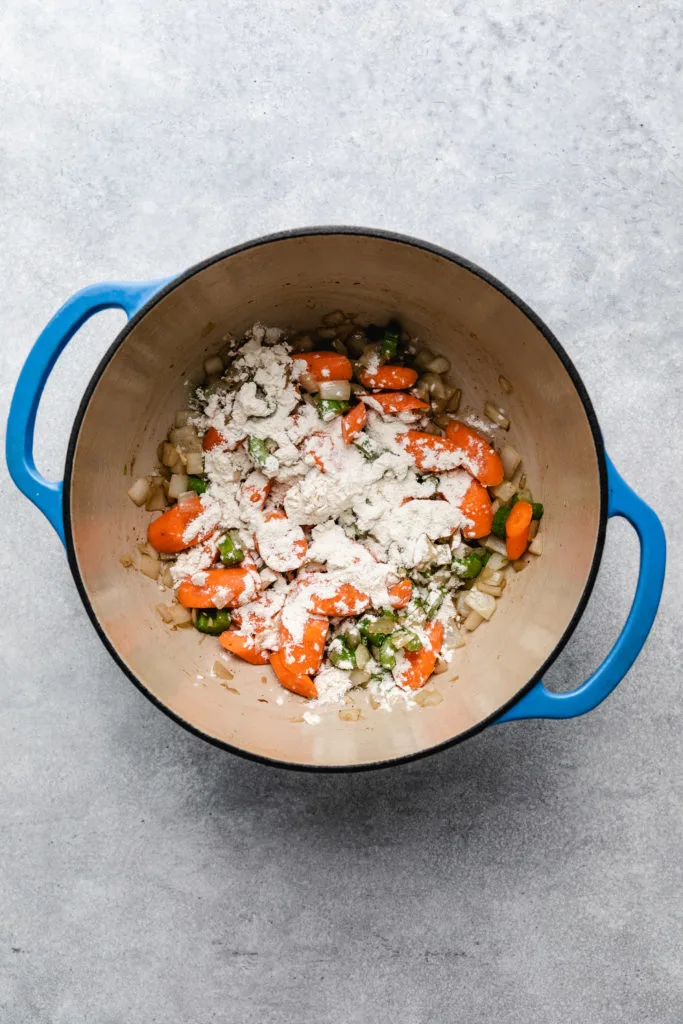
(453, 258)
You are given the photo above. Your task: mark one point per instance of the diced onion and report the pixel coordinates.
(453, 403)
(440, 666)
(482, 604)
(430, 698)
(494, 577)
(186, 438)
(149, 566)
(439, 364)
(194, 463)
(126, 561)
(423, 358)
(489, 588)
(349, 714)
(182, 417)
(504, 491)
(496, 562)
(213, 365)
(505, 384)
(139, 492)
(170, 455)
(156, 500)
(167, 579)
(520, 564)
(359, 677)
(177, 485)
(533, 528)
(461, 606)
(338, 390)
(492, 543)
(536, 546)
(496, 416)
(334, 318)
(511, 460)
(473, 620)
(302, 343)
(339, 346)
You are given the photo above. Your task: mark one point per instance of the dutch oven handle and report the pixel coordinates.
(47, 495)
(540, 702)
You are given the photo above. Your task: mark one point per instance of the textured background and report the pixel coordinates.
(533, 874)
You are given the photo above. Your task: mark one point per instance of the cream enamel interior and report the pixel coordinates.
(295, 281)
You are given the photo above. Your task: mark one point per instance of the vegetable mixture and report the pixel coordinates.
(329, 513)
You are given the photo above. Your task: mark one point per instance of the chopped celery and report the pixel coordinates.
(198, 484)
(375, 631)
(213, 620)
(341, 654)
(230, 551)
(367, 447)
(328, 408)
(536, 510)
(259, 450)
(433, 602)
(406, 639)
(468, 567)
(499, 520)
(390, 340)
(386, 655)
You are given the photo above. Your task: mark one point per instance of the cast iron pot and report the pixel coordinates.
(291, 279)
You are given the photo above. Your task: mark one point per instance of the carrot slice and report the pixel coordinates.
(212, 439)
(476, 506)
(431, 452)
(389, 378)
(283, 548)
(348, 600)
(400, 594)
(353, 422)
(305, 656)
(233, 586)
(326, 365)
(256, 489)
(166, 533)
(394, 402)
(244, 647)
(517, 529)
(294, 681)
(487, 464)
(420, 664)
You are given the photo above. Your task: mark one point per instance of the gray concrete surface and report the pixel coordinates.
(533, 874)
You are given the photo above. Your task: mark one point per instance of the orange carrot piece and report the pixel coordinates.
(517, 529)
(429, 451)
(212, 439)
(304, 657)
(389, 378)
(476, 506)
(256, 489)
(326, 365)
(270, 547)
(320, 446)
(420, 664)
(353, 422)
(244, 647)
(488, 467)
(400, 594)
(394, 402)
(348, 600)
(294, 681)
(237, 585)
(165, 533)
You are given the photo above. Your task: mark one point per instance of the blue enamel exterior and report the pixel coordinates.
(47, 496)
(540, 702)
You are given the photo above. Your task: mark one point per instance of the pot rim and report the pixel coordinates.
(452, 258)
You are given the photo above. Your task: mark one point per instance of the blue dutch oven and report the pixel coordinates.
(291, 279)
